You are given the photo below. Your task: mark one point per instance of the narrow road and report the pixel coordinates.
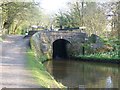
(13, 71)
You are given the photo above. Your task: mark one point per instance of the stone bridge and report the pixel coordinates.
(58, 44)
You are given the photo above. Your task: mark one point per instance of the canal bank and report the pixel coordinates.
(40, 73)
(97, 60)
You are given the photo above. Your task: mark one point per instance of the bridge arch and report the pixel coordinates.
(46, 43)
(60, 47)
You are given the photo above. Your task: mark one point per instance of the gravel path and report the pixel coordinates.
(13, 71)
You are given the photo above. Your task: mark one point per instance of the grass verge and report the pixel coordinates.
(39, 72)
(1, 39)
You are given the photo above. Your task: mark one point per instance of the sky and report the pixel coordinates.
(53, 6)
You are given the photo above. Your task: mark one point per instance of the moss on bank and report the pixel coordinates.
(40, 73)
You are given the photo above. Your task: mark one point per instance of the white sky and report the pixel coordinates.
(51, 6)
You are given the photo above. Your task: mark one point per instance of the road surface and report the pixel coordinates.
(13, 71)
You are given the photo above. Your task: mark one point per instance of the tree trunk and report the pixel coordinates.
(118, 29)
(16, 26)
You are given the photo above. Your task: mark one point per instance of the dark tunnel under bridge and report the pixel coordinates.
(60, 49)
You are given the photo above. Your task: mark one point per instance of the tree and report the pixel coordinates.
(14, 14)
(118, 27)
(94, 18)
(88, 14)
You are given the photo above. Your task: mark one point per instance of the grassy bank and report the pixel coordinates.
(1, 39)
(98, 58)
(39, 72)
(111, 56)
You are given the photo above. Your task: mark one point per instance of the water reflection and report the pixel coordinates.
(109, 82)
(84, 74)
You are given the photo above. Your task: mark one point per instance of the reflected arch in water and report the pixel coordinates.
(60, 49)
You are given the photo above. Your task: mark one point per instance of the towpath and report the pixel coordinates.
(13, 71)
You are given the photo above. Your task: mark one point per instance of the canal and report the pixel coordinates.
(78, 74)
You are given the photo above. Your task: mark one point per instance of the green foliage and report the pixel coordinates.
(90, 15)
(17, 14)
(1, 39)
(107, 55)
(93, 53)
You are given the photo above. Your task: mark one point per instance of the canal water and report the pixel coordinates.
(78, 74)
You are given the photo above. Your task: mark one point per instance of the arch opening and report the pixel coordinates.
(60, 49)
